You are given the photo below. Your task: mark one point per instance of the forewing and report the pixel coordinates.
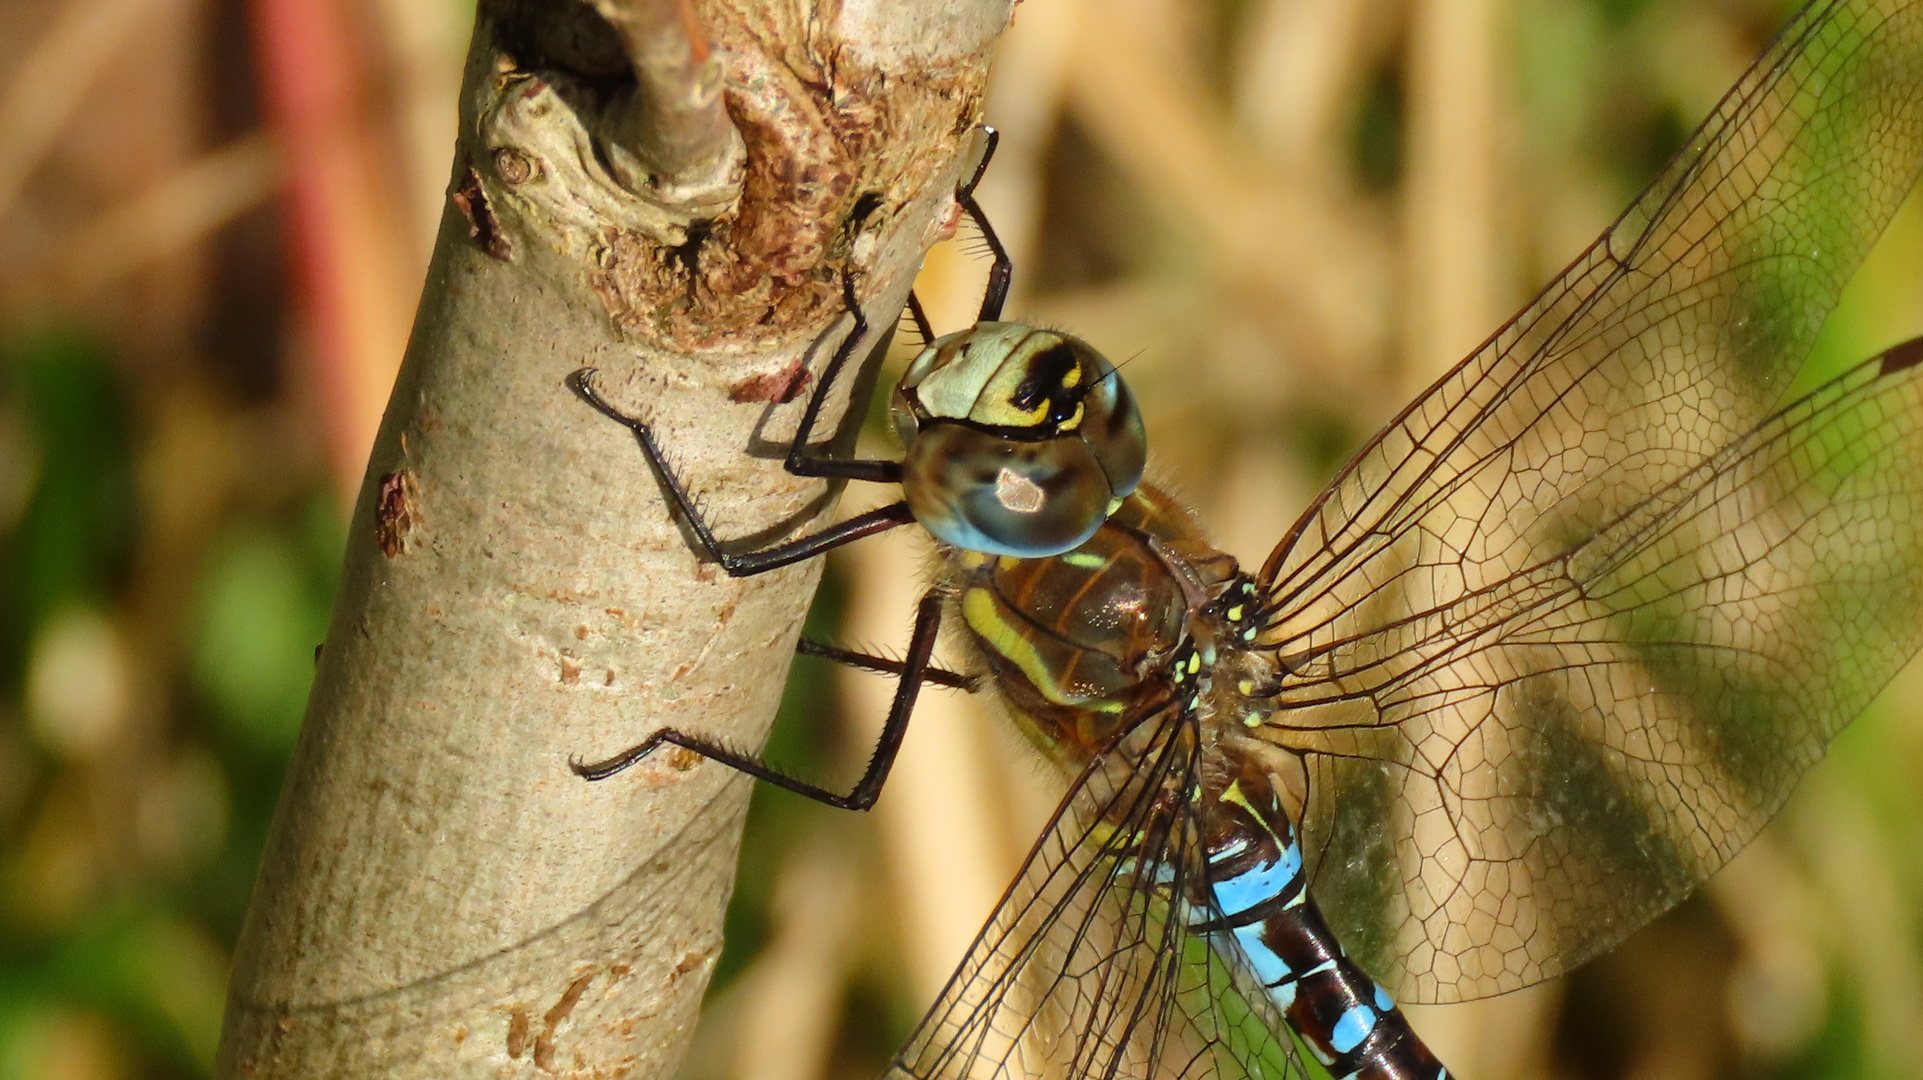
(1564, 634)
(1087, 968)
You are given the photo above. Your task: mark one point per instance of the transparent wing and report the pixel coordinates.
(1564, 634)
(1087, 968)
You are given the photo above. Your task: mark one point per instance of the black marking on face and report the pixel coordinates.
(1047, 373)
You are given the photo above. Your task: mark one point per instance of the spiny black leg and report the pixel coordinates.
(800, 462)
(922, 325)
(879, 520)
(1001, 274)
(754, 562)
(1003, 271)
(991, 139)
(870, 662)
(866, 790)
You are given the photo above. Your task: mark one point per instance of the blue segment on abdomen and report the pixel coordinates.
(1244, 891)
(1353, 1027)
(1264, 913)
(1269, 967)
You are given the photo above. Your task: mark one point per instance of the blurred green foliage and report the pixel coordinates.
(77, 536)
(265, 592)
(127, 858)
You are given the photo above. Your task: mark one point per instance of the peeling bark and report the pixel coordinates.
(441, 895)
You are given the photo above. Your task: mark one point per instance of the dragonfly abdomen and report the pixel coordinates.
(1263, 915)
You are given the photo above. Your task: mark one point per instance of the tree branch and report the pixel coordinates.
(670, 135)
(441, 896)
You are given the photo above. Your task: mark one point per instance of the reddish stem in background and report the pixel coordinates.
(344, 251)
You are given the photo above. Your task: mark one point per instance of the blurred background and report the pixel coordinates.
(1286, 215)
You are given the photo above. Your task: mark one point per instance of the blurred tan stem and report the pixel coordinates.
(171, 216)
(1458, 291)
(1453, 259)
(441, 895)
(53, 80)
(1025, 101)
(422, 39)
(1300, 68)
(1320, 272)
(792, 995)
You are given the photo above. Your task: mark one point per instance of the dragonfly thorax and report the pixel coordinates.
(1018, 441)
(1082, 645)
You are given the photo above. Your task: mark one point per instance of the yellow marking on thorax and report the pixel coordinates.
(979, 612)
(1233, 794)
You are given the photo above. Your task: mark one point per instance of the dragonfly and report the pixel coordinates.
(1547, 652)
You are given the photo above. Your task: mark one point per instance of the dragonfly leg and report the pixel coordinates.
(802, 456)
(914, 671)
(803, 459)
(869, 662)
(915, 312)
(1003, 271)
(800, 459)
(745, 564)
(1000, 274)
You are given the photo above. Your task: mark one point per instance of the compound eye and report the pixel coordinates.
(978, 491)
(1112, 427)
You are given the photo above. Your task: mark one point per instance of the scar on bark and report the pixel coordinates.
(544, 1042)
(481, 226)
(779, 387)
(396, 514)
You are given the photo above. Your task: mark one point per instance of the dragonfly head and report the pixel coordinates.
(1019, 441)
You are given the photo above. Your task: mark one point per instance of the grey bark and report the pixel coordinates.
(441, 896)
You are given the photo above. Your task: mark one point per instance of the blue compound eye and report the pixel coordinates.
(1112, 428)
(983, 492)
(1019, 440)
